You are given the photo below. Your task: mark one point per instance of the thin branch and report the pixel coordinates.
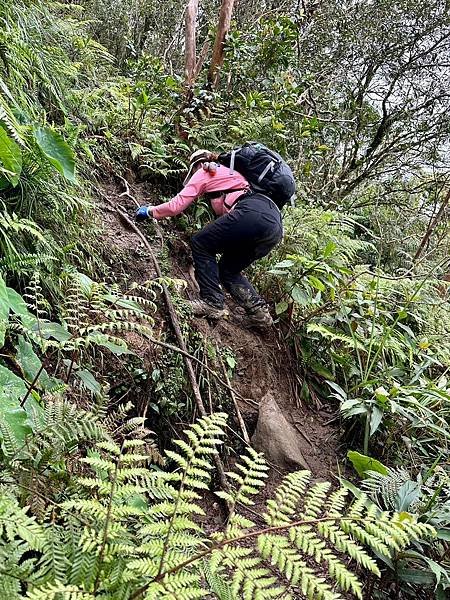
(178, 334)
(127, 190)
(432, 226)
(32, 385)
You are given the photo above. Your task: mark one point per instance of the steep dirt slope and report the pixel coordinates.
(264, 363)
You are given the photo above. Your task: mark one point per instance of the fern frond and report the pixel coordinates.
(217, 582)
(126, 528)
(336, 336)
(281, 509)
(55, 591)
(10, 122)
(15, 522)
(25, 262)
(281, 554)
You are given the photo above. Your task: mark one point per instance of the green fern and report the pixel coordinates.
(335, 336)
(16, 523)
(12, 230)
(57, 590)
(306, 524)
(96, 314)
(25, 262)
(130, 531)
(8, 119)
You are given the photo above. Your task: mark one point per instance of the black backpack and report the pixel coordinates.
(265, 170)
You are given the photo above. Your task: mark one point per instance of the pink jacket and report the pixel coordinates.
(204, 182)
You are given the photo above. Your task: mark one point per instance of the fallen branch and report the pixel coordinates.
(179, 336)
(127, 190)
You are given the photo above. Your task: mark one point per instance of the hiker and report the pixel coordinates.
(247, 228)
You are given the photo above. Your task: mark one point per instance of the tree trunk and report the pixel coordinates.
(432, 226)
(223, 28)
(190, 42)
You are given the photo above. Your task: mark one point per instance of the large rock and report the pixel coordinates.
(276, 437)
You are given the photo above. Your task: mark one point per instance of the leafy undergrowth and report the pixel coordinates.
(360, 354)
(126, 530)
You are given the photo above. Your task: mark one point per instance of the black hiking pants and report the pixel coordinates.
(244, 235)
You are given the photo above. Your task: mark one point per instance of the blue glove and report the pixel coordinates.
(143, 213)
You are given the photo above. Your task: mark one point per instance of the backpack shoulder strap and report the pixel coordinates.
(269, 167)
(233, 157)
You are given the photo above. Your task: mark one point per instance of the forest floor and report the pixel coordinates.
(264, 364)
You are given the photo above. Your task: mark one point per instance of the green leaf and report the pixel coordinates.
(17, 304)
(316, 283)
(284, 264)
(17, 421)
(281, 307)
(86, 283)
(352, 402)
(12, 388)
(300, 296)
(124, 303)
(56, 150)
(10, 158)
(30, 364)
(360, 409)
(277, 272)
(52, 330)
(408, 493)
(443, 534)
(103, 340)
(320, 369)
(12, 391)
(337, 388)
(231, 361)
(416, 576)
(375, 419)
(329, 249)
(382, 396)
(89, 381)
(363, 463)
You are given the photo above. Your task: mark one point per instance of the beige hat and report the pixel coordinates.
(195, 158)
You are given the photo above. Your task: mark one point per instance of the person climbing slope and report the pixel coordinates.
(248, 227)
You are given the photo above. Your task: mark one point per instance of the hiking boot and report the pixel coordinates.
(260, 317)
(200, 308)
